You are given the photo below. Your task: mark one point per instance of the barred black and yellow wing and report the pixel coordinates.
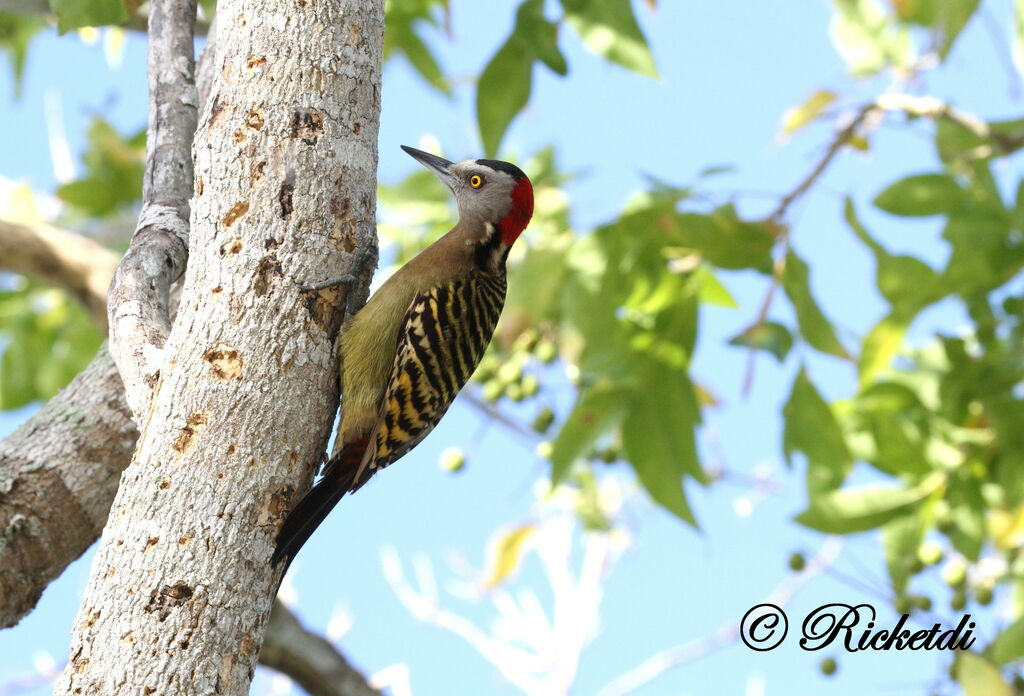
(445, 333)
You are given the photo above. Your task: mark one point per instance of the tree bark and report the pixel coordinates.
(58, 474)
(68, 260)
(139, 305)
(181, 587)
(309, 659)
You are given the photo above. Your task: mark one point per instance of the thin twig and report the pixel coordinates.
(841, 139)
(140, 292)
(996, 143)
(471, 397)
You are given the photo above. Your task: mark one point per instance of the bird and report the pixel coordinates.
(408, 351)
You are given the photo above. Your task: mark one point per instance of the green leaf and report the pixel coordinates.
(879, 347)
(811, 428)
(922, 12)
(114, 167)
(800, 115)
(952, 18)
(767, 336)
(401, 22)
(502, 92)
(506, 554)
(979, 677)
(540, 36)
(658, 439)
(72, 14)
(710, 289)
(598, 409)
(535, 286)
(921, 195)
(814, 327)
(408, 42)
(850, 511)
(983, 258)
(953, 141)
(866, 39)
(968, 515)
(609, 28)
(723, 238)
(906, 282)
(901, 538)
(1009, 644)
(47, 339)
(16, 32)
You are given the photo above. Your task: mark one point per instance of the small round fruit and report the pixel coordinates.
(452, 459)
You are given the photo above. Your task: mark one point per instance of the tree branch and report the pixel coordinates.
(309, 659)
(65, 259)
(140, 292)
(58, 474)
(137, 22)
(921, 107)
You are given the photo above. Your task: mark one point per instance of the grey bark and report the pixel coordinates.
(285, 157)
(309, 659)
(139, 301)
(58, 474)
(59, 471)
(71, 261)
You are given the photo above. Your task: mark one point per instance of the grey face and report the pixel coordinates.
(480, 191)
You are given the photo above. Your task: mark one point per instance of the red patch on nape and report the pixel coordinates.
(519, 213)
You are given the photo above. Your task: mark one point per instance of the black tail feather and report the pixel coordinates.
(318, 503)
(305, 518)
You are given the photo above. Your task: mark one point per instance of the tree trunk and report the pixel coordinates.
(285, 163)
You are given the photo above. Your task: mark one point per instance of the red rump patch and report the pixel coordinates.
(519, 214)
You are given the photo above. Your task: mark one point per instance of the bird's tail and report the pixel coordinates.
(338, 479)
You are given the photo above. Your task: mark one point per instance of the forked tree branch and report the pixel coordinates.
(139, 300)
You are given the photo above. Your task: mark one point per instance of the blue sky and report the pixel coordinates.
(728, 72)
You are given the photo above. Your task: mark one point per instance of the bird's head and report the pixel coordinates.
(489, 191)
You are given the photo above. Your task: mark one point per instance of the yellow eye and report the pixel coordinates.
(476, 181)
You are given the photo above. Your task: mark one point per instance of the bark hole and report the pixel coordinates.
(231, 247)
(284, 197)
(225, 362)
(255, 118)
(259, 173)
(307, 126)
(167, 598)
(235, 214)
(217, 112)
(267, 272)
(186, 441)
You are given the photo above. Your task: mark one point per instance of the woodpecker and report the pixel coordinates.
(407, 353)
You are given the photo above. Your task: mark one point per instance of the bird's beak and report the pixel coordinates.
(438, 165)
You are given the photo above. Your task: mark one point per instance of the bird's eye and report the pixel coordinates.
(476, 181)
